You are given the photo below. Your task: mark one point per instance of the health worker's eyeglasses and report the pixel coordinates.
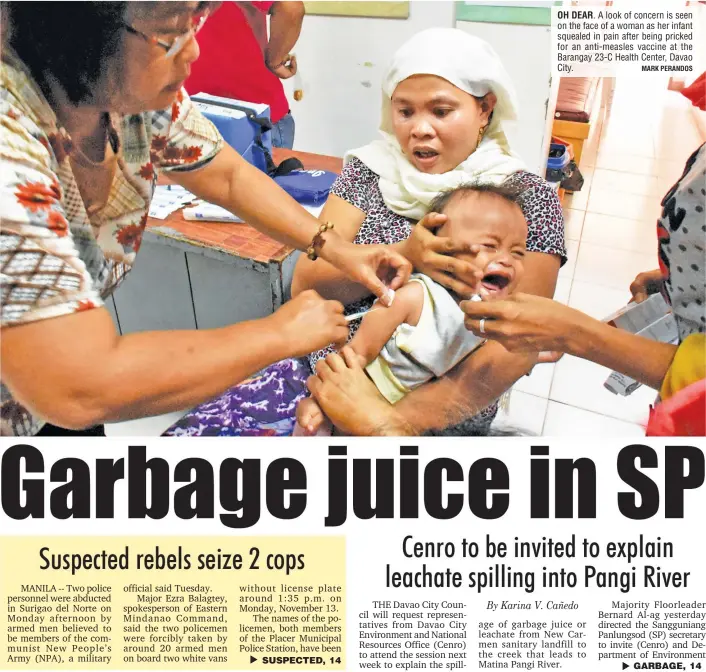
(177, 44)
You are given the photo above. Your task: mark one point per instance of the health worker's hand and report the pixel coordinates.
(308, 323)
(376, 267)
(525, 323)
(645, 284)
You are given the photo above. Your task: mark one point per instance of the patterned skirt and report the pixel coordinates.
(264, 405)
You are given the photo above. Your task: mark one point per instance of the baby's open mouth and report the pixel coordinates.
(495, 283)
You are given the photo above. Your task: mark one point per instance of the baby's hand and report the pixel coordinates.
(310, 416)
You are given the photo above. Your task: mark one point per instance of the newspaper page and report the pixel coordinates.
(530, 551)
(364, 554)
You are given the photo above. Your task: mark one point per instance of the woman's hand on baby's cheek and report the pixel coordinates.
(469, 275)
(435, 256)
(459, 275)
(422, 243)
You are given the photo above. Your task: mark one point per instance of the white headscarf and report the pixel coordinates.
(470, 64)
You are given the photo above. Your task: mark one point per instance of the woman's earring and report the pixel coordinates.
(481, 133)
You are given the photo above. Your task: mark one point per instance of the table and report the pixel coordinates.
(203, 275)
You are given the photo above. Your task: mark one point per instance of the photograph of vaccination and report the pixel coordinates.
(358, 219)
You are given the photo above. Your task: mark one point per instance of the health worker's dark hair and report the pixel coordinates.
(70, 42)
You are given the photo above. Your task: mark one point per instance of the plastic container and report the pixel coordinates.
(244, 126)
(557, 163)
(569, 147)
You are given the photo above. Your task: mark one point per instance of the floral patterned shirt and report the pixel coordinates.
(55, 258)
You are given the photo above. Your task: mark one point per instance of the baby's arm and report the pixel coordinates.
(375, 330)
(379, 324)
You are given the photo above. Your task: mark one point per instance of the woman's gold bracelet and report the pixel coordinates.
(317, 242)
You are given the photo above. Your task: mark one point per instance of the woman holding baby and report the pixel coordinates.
(446, 96)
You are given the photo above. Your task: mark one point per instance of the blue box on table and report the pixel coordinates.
(244, 126)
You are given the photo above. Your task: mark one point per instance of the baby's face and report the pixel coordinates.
(499, 229)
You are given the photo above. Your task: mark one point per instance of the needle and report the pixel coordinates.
(355, 316)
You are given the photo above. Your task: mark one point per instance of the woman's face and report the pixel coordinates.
(436, 123)
(145, 77)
